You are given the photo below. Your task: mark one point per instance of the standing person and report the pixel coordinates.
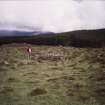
(29, 50)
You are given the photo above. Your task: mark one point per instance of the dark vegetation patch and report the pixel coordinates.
(58, 82)
(81, 38)
(63, 78)
(100, 92)
(38, 91)
(31, 73)
(6, 90)
(12, 79)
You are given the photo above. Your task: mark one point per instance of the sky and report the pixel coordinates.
(52, 15)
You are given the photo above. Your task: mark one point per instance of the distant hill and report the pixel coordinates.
(14, 33)
(80, 38)
(9, 33)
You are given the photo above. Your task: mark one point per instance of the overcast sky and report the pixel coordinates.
(52, 15)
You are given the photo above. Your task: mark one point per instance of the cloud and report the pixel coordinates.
(54, 15)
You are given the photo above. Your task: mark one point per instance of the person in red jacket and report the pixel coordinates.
(29, 50)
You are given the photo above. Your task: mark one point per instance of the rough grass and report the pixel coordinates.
(75, 76)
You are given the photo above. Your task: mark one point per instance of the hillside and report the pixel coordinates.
(80, 38)
(52, 75)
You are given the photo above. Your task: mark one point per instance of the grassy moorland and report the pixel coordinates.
(52, 75)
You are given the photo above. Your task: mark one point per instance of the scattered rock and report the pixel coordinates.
(6, 63)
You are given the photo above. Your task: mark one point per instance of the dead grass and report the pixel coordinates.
(76, 78)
